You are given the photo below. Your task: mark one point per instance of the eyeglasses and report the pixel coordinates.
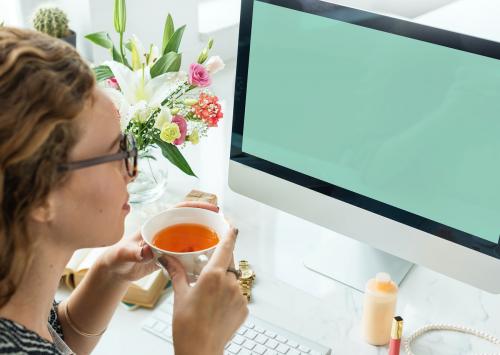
(128, 152)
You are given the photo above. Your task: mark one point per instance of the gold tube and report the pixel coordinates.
(397, 328)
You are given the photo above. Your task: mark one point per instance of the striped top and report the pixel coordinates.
(16, 339)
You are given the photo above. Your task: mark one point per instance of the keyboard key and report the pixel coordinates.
(271, 352)
(159, 327)
(168, 331)
(270, 334)
(259, 330)
(261, 339)
(259, 349)
(234, 349)
(314, 352)
(249, 325)
(293, 352)
(245, 352)
(292, 344)
(272, 344)
(249, 344)
(281, 339)
(150, 322)
(241, 331)
(238, 339)
(250, 334)
(283, 349)
(304, 349)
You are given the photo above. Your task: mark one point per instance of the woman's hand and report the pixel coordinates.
(130, 259)
(208, 314)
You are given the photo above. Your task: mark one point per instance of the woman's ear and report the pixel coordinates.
(44, 212)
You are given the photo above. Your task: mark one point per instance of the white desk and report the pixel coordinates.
(288, 294)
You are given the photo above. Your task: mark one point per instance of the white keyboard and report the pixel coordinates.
(255, 337)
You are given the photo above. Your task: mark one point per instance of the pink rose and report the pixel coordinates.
(181, 122)
(198, 75)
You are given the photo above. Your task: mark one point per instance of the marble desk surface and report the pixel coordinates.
(302, 301)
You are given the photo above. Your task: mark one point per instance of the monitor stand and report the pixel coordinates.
(353, 263)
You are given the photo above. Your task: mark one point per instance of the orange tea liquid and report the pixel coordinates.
(185, 238)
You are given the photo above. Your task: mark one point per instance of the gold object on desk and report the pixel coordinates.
(247, 278)
(397, 328)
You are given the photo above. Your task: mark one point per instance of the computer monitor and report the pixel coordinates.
(383, 130)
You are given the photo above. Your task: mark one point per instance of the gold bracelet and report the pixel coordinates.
(75, 328)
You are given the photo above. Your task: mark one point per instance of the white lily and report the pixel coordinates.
(140, 112)
(137, 53)
(138, 85)
(140, 57)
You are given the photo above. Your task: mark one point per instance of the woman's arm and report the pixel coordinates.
(91, 307)
(94, 301)
(92, 304)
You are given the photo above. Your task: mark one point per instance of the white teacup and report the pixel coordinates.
(193, 262)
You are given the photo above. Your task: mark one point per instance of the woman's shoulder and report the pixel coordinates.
(16, 339)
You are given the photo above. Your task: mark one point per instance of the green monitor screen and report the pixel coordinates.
(376, 109)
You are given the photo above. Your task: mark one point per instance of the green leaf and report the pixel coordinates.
(120, 16)
(175, 41)
(101, 39)
(115, 54)
(104, 40)
(173, 154)
(170, 62)
(102, 72)
(168, 31)
(117, 57)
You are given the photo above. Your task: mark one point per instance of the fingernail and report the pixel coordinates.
(141, 255)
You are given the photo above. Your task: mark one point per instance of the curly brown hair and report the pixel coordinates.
(44, 85)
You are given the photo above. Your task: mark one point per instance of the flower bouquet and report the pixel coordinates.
(159, 104)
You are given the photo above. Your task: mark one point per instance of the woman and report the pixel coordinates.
(53, 117)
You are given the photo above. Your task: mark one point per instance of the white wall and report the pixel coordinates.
(10, 13)
(146, 19)
(20, 14)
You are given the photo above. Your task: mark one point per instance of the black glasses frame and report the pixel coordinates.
(128, 150)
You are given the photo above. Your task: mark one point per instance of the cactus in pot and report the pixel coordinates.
(54, 22)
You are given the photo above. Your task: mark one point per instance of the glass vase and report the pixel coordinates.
(151, 181)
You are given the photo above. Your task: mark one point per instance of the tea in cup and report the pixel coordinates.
(188, 234)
